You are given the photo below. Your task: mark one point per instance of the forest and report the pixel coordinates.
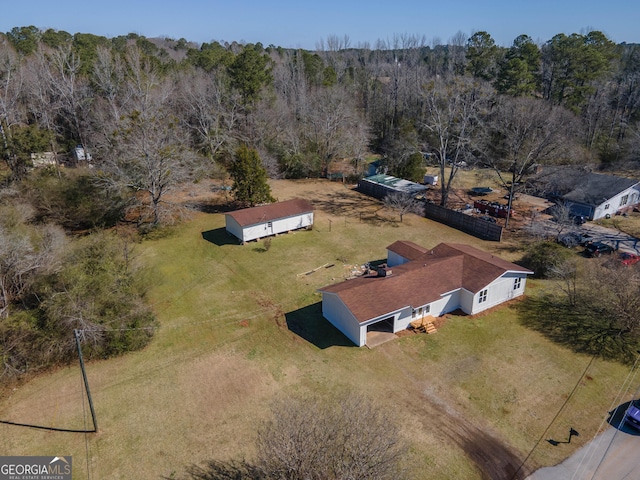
(138, 117)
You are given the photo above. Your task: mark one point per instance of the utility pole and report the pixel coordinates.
(86, 382)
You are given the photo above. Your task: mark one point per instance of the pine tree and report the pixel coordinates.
(250, 185)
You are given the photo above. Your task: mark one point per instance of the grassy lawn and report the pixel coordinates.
(242, 324)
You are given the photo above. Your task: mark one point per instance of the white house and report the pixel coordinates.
(588, 194)
(419, 282)
(258, 222)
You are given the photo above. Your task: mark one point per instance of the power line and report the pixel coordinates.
(515, 475)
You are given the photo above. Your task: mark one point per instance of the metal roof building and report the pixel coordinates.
(381, 185)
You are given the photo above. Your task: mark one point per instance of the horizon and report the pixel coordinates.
(286, 24)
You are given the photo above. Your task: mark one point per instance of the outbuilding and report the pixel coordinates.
(419, 282)
(258, 222)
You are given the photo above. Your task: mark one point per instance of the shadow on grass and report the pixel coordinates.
(582, 331)
(616, 419)
(309, 324)
(220, 237)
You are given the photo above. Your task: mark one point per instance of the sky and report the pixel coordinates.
(302, 24)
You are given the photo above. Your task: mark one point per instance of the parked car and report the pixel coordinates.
(595, 249)
(629, 258)
(632, 415)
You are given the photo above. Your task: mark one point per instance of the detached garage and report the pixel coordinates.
(259, 222)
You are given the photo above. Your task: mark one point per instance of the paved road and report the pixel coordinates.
(619, 240)
(612, 455)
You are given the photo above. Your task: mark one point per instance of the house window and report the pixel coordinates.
(420, 311)
(269, 225)
(517, 283)
(624, 200)
(483, 296)
(606, 207)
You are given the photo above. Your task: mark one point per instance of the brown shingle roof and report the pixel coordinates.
(407, 249)
(273, 211)
(423, 280)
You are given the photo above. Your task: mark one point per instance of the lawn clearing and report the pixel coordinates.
(241, 325)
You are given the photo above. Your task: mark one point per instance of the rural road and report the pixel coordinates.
(612, 455)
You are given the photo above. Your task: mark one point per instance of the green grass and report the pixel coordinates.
(240, 325)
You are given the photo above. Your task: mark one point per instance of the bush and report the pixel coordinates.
(544, 257)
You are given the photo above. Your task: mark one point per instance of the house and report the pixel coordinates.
(590, 195)
(418, 282)
(257, 222)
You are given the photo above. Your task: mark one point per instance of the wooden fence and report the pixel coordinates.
(466, 223)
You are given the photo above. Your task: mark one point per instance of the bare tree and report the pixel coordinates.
(12, 112)
(334, 128)
(525, 133)
(24, 254)
(401, 203)
(345, 437)
(210, 111)
(451, 116)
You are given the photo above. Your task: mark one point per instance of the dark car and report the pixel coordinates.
(596, 249)
(632, 415)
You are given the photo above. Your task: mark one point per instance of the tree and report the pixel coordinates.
(250, 185)
(151, 157)
(25, 253)
(24, 39)
(519, 71)
(333, 128)
(571, 65)
(347, 436)
(482, 55)
(211, 113)
(250, 73)
(525, 133)
(449, 122)
(402, 203)
(412, 169)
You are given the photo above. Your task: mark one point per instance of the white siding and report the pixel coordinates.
(448, 303)
(499, 291)
(466, 301)
(334, 310)
(260, 230)
(614, 203)
(233, 227)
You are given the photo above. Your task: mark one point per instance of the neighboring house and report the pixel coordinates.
(590, 195)
(418, 282)
(258, 222)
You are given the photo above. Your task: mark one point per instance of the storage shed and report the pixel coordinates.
(258, 222)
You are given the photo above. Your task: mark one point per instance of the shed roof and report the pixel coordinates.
(267, 213)
(424, 279)
(397, 184)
